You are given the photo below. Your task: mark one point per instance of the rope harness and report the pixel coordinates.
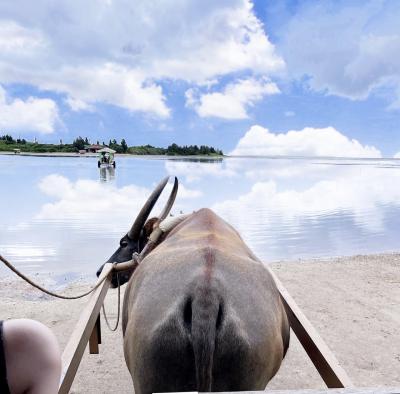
(118, 310)
(51, 293)
(160, 227)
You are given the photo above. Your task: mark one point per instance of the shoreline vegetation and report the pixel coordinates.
(82, 145)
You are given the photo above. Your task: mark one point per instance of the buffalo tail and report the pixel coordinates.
(203, 315)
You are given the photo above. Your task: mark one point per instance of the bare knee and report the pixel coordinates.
(32, 357)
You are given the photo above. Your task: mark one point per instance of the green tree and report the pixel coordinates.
(124, 145)
(8, 139)
(78, 143)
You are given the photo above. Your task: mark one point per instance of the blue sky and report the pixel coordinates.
(286, 77)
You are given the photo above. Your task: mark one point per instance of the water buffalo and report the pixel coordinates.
(201, 312)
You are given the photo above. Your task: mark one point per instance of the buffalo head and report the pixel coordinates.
(136, 238)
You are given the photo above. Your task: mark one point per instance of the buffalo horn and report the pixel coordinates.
(170, 201)
(144, 213)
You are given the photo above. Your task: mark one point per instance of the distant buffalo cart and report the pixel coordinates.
(106, 158)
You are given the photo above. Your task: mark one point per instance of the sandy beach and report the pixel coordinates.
(353, 302)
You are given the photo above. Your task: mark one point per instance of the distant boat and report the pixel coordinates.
(106, 158)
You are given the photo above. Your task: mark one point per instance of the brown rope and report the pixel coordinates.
(119, 303)
(64, 297)
(132, 264)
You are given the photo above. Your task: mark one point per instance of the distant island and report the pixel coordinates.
(83, 145)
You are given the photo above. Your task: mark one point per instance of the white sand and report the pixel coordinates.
(354, 303)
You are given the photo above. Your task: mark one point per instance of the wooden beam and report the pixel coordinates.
(98, 328)
(323, 359)
(94, 338)
(73, 352)
(355, 390)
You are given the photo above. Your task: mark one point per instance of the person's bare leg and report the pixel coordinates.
(32, 357)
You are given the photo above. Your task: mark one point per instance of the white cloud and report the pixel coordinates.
(346, 50)
(232, 103)
(310, 141)
(193, 171)
(79, 105)
(186, 193)
(86, 85)
(33, 114)
(17, 40)
(253, 170)
(112, 84)
(397, 155)
(82, 201)
(129, 48)
(220, 38)
(360, 195)
(28, 253)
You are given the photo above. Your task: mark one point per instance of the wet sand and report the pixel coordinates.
(353, 302)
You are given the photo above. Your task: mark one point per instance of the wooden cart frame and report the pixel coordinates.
(88, 330)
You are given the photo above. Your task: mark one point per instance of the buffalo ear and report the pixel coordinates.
(149, 227)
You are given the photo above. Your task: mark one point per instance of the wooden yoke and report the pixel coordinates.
(323, 359)
(85, 327)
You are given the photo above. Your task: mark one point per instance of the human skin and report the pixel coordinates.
(32, 357)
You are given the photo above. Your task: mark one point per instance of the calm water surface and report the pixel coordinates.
(65, 216)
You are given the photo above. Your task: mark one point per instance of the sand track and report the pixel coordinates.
(354, 302)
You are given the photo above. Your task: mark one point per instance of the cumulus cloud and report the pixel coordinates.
(193, 171)
(220, 38)
(32, 114)
(79, 105)
(16, 40)
(348, 193)
(110, 83)
(81, 201)
(350, 51)
(310, 141)
(187, 193)
(232, 103)
(124, 55)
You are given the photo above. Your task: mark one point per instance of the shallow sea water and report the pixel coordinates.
(63, 216)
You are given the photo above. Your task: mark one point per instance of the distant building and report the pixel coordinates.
(93, 148)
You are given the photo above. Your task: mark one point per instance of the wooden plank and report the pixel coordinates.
(323, 359)
(73, 352)
(352, 390)
(98, 328)
(94, 338)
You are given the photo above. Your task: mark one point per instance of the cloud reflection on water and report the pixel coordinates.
(284, 208)
(89, 202)
(309, 207)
